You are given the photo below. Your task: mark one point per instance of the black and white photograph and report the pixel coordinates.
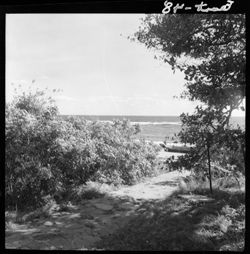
(125, 131)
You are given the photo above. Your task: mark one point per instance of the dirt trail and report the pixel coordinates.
(81, 226)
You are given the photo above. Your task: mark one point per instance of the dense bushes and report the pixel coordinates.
(224, 162)
(46, 155)
(226, 155)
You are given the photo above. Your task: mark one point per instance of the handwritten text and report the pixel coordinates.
(202, 7)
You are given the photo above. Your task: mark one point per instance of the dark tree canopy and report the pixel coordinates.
(211, 51)
(209, 48)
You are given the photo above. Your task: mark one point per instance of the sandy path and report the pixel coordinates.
(159, 187)
(82, 226)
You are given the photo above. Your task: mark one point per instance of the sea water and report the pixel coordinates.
(153, 128)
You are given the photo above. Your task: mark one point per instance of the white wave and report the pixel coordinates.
(156, 123)
(141, 123)
(179, 144)
(102, 121)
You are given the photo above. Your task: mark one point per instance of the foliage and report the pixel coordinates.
(211, 51)
(226, 147)
(199, 184)
(46, 156)
(90, 190)
(181, 224)
(209, 48)
(29, 132)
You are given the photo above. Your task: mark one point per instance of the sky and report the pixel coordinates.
(89, 57)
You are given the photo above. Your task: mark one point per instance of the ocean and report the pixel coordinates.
(153, 128)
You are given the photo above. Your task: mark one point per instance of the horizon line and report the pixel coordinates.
(123, 115)
(113, 115)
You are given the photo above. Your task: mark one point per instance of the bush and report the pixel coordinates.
(90, 190)
(199, 184)
(48, 156)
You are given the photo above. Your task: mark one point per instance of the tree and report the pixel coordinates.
(211, 51)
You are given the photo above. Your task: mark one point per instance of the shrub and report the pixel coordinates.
(48, 156)
(200, 184)
(29, 132)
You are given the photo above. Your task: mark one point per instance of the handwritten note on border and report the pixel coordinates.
(202, 7)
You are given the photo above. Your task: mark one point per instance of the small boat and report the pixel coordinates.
(175, 148)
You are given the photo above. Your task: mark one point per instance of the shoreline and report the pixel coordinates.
(178, 144)
(162, 154)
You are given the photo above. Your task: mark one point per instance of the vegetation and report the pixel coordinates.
(186, 222)
(47, 157)
(211, 51)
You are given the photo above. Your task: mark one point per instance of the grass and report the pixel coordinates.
(175, 224)
(230, 184)
(90, 190)
(183, 224)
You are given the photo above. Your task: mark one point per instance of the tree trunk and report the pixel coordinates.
(244, 154)
(209, 167)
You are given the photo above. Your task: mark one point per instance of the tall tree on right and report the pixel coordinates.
(211, 51)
